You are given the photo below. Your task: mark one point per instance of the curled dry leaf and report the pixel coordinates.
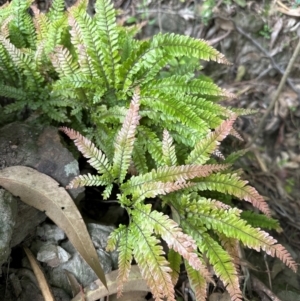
(42, 192)
(96, 290)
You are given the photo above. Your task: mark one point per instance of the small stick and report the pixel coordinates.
(278, 91)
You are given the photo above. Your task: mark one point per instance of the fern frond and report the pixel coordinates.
(179, 45)
(260, 220)
(87, 180)
(153, 189)
(85, 32)
(56, 10)
(181, 84)
(168, 149)
(204, 148)
(177, 174)
(198, 282)
(96, 158)
(175, 260)
(175, 108)
(139, 157)
(106, 21)
(123, 239)
(154, 268)
(233, 185)
(222, 264)
(125, 139)
(175, 238)
(63, 62)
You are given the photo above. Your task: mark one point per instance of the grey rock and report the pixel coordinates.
(39, 147)
(50, 232)
(8, 214)
(52, 255)
(78, 267)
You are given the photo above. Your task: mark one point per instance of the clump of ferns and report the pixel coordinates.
(82, 69)
(200, 231)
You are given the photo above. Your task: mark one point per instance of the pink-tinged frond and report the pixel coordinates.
(125, 138)
(172, 234)
(204, 148)
(218, 154)
(153, 189)
(232, 246)
(153, 265)
(236, 134)
(198, 282)
(279, 251)
(96, 158)
(251, 195)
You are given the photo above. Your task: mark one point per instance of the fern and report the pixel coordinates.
(156, 133)
(201, 227)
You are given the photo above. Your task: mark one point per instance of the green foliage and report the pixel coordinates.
(157, 129)
(201, 228)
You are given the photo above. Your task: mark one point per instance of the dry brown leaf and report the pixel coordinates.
(294, 12)
(96, 290)
(275, 31)
(42, 192)
(43, 284)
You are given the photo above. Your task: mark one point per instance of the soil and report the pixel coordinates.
(259, 38)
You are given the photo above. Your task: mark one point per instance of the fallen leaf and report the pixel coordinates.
(275, 31)
(96, 290)
(42, 192)
(41, 279)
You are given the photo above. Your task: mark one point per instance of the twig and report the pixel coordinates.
(278, 91)
(264, 51)
(259, 286)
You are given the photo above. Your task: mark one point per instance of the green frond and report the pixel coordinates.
(125, 139)
(132, 65)
(197, 282)
(63, 62)
(85, 32)
(23, 62)
(55, 34)
(175, 260)
(234, 156)
(87, 180)
(233, 185)
(179, 45)
(172, 235)
(177, 174)
(151, 143)
(174, 107)
(205, 147)
(168, 149)
(106, 21)
(12, 92)
(21, 28)
(97, 159)
(56, 10)
(122, 237)
(181, 84)
(260, 220)
(41, 23)
(139, 157)
(153, 189)
(150, 258)
(222, 264)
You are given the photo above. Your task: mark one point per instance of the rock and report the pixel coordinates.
(50, 233)
(8, 214)
(78, 267)
(52, 255)
(37, 146)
